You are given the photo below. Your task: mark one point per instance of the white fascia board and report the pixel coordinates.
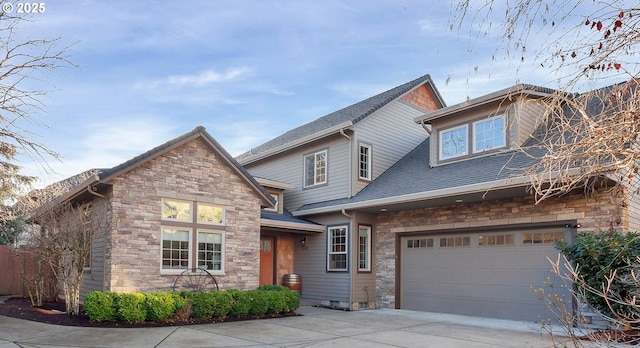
(477, 102)
(274, 184)
(298, 142)
(288, 225)
(421, 196)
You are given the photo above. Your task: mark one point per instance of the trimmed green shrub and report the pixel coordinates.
(223, 303)
(100, 306)
(131, 308)
(241, 303)
(259, 302)
(202, 306)
(277, 301)
(179, 301)
(273, 288)
(159, 306)
(598, 254)
(292, 299)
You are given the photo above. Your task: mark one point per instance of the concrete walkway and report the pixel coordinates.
(318, 327)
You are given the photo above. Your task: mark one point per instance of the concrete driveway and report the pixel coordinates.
(318, 327)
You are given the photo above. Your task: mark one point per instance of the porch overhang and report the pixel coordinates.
(291, 227)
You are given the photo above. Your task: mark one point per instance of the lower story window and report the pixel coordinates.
(337, 248)
(210, 250)
(178, 253)
(364, 248)
(175, 248)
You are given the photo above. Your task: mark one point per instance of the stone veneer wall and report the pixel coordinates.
(191, 171)
(598, 213)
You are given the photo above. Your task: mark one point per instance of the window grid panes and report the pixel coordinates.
(455, 242)
(496, 239)
(420, 243)
(210, 214)
(489, 134)
(210, 250)
(175, 248)
(364, 248)
(315, 168)
(176, 210)
(364, 162)
(337, 251)
(542, 238)
(453, 142)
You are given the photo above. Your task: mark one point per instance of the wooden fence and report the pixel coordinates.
(16, 265)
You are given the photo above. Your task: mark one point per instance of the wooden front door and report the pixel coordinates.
(266, 260)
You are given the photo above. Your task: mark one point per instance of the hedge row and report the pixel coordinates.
(163, 306)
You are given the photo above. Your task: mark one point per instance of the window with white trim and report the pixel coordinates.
(337, 248)
(315, 168)
(189, 239)
(489, 134)
(364, 248)
(364, 162)
(453, 142)
(210, 252)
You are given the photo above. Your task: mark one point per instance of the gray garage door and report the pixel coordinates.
(488, 274)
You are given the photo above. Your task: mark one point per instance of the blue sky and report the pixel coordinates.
(149, 71)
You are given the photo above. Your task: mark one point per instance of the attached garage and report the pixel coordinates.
(487, 274)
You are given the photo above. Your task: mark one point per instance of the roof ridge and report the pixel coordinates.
(354, 113)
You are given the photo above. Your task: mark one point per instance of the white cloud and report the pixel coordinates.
(201, 79)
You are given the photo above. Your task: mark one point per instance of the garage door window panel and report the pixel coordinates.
(542, 238)
(455, 242)
(487, 240)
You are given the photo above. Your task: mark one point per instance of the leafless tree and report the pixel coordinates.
(67, 233)
(22, 63)
(590, 134)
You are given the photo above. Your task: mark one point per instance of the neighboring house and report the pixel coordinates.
(184, 204)
(444, 223)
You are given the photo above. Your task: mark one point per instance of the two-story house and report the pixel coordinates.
(446, 224)
(331, 159)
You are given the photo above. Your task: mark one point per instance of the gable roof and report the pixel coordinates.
(103, 176)
(412, 180)
(334, 122)
(530, 91)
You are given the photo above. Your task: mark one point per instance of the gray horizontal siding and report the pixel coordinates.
(289, 168)
(392, 134)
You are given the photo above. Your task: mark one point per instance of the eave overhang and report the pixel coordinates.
(298, 142)
(421, 196)
(294, 227)
(507, 94)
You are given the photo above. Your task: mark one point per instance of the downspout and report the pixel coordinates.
(424, 125)
(350, 163)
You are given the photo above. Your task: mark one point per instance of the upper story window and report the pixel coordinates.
(315, 168)
(453, 142)
(489, 134)
(364, 162)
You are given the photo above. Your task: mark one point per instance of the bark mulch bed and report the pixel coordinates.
(54, 313)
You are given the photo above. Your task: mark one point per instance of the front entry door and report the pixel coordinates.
(266, 260)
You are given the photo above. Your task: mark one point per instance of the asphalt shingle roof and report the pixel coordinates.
(412, 174)
(354, 113)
